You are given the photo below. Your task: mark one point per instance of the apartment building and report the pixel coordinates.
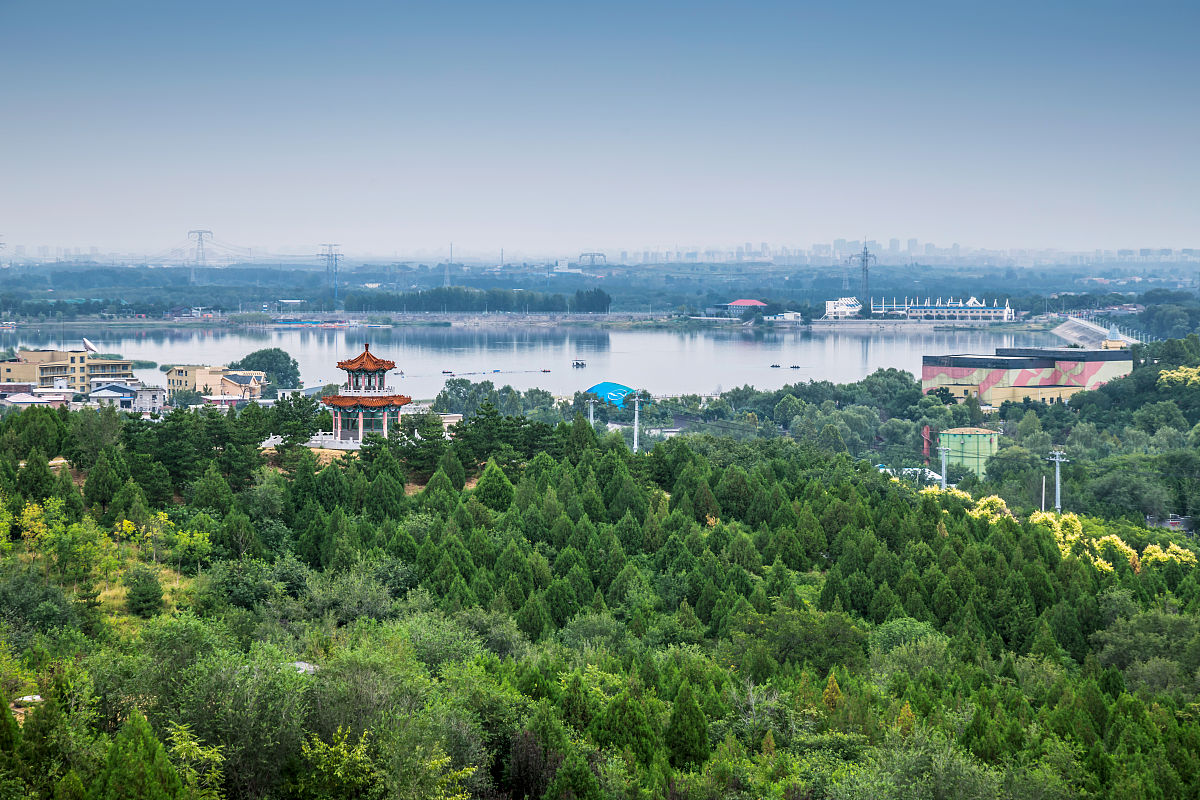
(244, 383)
(76, 370)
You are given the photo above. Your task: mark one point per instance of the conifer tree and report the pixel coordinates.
(832, 696)
(137, 766)
(494, 489)
(575, 704)
(211, 491)
(65, 490)
(626, 725)
(574, 780)
(145, 592)
(453, 468)
(687, 731)
(533, 619)
(128, 503)
(704, 505)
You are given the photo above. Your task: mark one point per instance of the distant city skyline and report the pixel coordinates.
(913, 251)
(548, 128)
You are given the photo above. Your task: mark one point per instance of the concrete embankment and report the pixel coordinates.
(1084, 333)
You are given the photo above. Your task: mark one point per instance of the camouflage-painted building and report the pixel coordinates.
(1048, 374)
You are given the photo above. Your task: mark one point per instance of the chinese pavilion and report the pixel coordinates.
(364, 404)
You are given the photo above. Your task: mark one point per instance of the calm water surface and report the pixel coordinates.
(664, 362)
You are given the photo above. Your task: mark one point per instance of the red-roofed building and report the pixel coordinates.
(735, 307)
(365, 404)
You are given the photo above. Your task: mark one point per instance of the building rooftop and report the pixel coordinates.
(366, 361)
(744, 303)
(974, 431)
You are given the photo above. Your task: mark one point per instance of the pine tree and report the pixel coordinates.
(453, 468)
(704, 505)
(494, 489)
(145, 592)
(65, 490)
(128, 503)
(137, 766)
(574, 781)
(626, 724)
(687, 731)
(533, 618)
(35, 482)
(211, 491)
(575, 704)
(832, 696)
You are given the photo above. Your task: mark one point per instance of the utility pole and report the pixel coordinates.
(945, 453)
(592, 411)
(199, 260)
(636, 420)
(331, 268)
(1059, 458)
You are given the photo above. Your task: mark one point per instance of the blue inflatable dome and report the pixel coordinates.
(613, 393)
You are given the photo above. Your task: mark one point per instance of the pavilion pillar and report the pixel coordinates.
(360, 425)
(385, 416)
(337, 423)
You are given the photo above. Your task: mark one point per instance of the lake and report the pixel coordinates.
(661, 361)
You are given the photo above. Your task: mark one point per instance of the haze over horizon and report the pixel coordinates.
(543, 127)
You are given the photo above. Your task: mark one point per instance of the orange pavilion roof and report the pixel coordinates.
(366, 361)
(366, 400)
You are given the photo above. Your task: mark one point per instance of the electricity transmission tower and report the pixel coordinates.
(199, 259)
(332, 256)
(863, 260)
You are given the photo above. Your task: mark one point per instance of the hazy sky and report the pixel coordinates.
(559, 126)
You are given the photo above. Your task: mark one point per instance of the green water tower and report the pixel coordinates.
(971, 447)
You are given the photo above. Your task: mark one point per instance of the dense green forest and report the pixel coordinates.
(1132, 443)
(530, 610)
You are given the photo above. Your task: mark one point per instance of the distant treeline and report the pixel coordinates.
(458, 299)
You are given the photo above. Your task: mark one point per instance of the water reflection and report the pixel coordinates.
(663, 361)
